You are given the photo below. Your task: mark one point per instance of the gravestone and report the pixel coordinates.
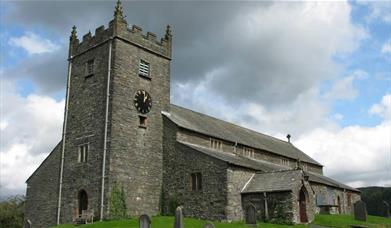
(360, 211)
(209, 225)
(27, 224)
(178, 217)
(144, 221)
(385, 209)
(251, 215)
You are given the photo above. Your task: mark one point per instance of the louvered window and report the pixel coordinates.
(143, 69)
(90, 67)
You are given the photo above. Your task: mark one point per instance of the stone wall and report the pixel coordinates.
(85, 125)
(237, 178)
(310, 201)
(229, 147)
(136, 152)
(279, 206)
(332, 194)
(179, 163)
(42, 191)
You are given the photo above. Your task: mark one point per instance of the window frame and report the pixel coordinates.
(196, 182)
(82, 152)
(90, 68)
(144, 69)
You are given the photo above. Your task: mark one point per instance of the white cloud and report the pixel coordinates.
(382, 109)
(356, 155)
(30, 128)
(378, 9)
(343, 89)
(386, 47)
(33, 43)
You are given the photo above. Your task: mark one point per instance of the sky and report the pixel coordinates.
(319, 71)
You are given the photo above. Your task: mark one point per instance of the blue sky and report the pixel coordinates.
(322, 71)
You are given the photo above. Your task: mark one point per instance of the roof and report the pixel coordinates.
(235, 159)
(217, 128)
(274, 177)
(318, 178)
(274, 181)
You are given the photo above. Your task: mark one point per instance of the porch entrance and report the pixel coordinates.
(303, 206)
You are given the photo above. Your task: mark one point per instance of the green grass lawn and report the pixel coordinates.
(167, 222)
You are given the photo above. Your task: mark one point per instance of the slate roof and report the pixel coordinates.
(274, 181)
(272, 177)
(217, 128)
(235, 159)
(318, 178)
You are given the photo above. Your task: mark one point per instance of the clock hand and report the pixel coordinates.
(145, 97)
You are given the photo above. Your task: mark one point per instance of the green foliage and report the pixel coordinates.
(12, 212)
(117, 203)
(374, 197)
(172, 205)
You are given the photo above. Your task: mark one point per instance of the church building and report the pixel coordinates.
(126, 149)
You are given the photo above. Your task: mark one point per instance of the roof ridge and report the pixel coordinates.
(236, 125)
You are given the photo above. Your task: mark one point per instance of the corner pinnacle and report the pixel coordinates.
(118, 13)
(168, 33)
(74, 32)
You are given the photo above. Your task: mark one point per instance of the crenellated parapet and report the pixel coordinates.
(119, 29)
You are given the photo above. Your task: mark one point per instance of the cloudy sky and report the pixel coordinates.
(320, 71)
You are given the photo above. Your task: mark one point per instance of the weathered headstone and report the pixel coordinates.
(385, 209)
(251, 215)
(144, 221)
(360, 211)
(209, 225)
(178, 217)
(27, 224)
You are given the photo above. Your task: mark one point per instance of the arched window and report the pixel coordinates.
(83, 201)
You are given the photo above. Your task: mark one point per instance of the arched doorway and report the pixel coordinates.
(83, 201)
(251, 217)
(303, 205)
(339, 205)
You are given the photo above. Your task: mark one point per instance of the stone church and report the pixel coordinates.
(120, 131)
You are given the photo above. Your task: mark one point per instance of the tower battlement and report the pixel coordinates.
(118, 28)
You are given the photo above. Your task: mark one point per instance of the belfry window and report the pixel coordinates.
(83, 153)
(216, 144)
(195, 182)
(143, 69)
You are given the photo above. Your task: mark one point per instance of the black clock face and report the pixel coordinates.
(142, 101)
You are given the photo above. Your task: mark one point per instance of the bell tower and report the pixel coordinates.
(118, 85)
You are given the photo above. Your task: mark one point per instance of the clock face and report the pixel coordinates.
(142, 101)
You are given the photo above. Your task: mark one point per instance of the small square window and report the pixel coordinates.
(143, 69)
(90, 67)
(142, 121)
(83, 153)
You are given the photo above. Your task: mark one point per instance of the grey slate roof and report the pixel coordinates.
(235, 159)
(274, 181)
(217, 128)
(318, 178)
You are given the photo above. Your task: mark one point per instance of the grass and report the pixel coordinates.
(340, 221)
(345, 221)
